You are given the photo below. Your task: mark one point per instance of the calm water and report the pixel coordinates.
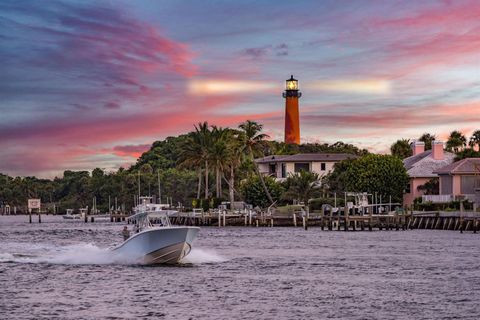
(62, 270)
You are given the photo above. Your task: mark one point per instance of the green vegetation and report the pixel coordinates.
(254, 192)
(432, 186)
(449, 206)
(372, 173)
(207, 166)
(302, 186)
(467, 153)
(401, 148)
(427, 139)
(188, 168)
(475, 140)
(456, 141)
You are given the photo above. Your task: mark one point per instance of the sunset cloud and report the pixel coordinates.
(366, 86)
(133, 151)
(219, 87)
(93, 84)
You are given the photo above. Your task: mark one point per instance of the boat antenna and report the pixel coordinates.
(138, 185)
(159, 191)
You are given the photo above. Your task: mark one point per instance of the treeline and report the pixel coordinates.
(456, 143)
(200, 168)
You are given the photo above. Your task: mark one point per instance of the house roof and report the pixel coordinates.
(423, 165)
(465, 166)
(307, 157)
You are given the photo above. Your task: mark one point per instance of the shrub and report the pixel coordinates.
(254, 193)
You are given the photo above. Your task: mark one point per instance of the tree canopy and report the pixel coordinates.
(456, 141)
(383, 174)
(208, 162)
(302, 186)
(401, 148)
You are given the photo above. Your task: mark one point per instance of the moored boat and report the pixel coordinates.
(69, 215)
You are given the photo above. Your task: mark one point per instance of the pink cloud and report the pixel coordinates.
(446, 16)
(401, 117)
(134, 151)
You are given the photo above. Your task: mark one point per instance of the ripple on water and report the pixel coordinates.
(62, 270)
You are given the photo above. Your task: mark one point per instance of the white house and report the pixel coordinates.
(280, 166)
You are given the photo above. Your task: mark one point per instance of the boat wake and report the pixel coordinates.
(86, 254)
(199, 256)
(82, 253)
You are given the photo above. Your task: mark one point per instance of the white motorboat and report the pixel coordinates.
(69, 215)
(155, 240)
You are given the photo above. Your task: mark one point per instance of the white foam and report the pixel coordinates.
(83, 253)
(199, 255)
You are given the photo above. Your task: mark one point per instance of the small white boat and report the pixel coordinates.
(155, 240)
(101, 217)
(69, 215)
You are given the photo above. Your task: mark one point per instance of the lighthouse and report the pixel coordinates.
(292, 121)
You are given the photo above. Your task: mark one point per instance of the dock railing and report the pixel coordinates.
(438, 198)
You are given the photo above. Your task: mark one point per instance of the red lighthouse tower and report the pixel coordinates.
(292, 121)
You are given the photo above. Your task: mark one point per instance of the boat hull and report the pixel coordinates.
(158, 245)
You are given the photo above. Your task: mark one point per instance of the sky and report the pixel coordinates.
(86, 84)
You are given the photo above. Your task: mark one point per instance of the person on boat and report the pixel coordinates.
(125, 233)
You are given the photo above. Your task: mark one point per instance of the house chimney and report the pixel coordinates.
(437, 150)
(417, 147)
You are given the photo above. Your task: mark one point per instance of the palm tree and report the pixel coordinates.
(233, 161)
(190, 156)
(401, 148)
(219, 155)
(252, 141)
(427, 139)
(145, 173)
(456, 141)
(196, 153)
(475, 139)
(302, 186)
(205, 140)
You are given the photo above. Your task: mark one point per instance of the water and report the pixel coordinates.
(63, 270)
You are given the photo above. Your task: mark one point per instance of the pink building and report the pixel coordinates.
(421, 167)
(461, 178)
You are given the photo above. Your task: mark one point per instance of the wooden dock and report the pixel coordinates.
(356, 222)
(446, 220)
(350, 220)
(394, 220)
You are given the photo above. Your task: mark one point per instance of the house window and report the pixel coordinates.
(284, 170)
(446, 183)
(407, 188)
(272, 169)
(323, 166)
(302, 166)
(468, 184)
